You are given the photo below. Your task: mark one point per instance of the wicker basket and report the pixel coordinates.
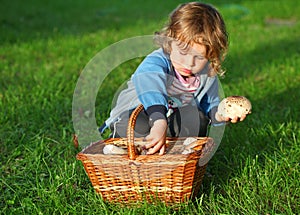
(171, 178)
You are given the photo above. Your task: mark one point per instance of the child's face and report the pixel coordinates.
(189, 61)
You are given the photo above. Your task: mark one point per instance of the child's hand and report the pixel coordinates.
(157, 137)
(235, 119)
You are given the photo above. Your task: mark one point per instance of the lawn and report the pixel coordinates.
(44, 47)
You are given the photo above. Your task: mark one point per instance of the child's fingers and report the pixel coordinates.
(242, 117)
(151, 142)
(156, 147)
(162, 150)
(238, 119)
(234, 120)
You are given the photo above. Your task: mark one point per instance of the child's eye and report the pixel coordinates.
(199, 57)
(182, 52)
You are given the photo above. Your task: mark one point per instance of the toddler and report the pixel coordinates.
(177, 83)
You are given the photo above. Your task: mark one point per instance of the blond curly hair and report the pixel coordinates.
(198, 23)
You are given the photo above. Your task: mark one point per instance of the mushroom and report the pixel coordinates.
(234, 106)
(189, 140)
(113, 150)
(189, 145)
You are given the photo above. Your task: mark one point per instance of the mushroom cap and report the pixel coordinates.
(234, 106)
(113, 150)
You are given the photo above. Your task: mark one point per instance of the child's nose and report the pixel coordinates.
(190, 61)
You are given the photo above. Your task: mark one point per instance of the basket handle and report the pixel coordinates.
(130, 132)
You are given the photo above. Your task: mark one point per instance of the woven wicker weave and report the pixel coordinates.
(171, 178)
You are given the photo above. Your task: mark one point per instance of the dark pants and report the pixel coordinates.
(187, 121)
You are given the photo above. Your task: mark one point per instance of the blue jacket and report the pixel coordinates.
(148, 85)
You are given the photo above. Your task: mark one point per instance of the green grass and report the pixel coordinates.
(45, 45)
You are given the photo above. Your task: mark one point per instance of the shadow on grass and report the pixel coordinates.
(25, 21)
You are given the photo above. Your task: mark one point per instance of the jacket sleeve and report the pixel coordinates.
(150, 80)
(210, 101)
